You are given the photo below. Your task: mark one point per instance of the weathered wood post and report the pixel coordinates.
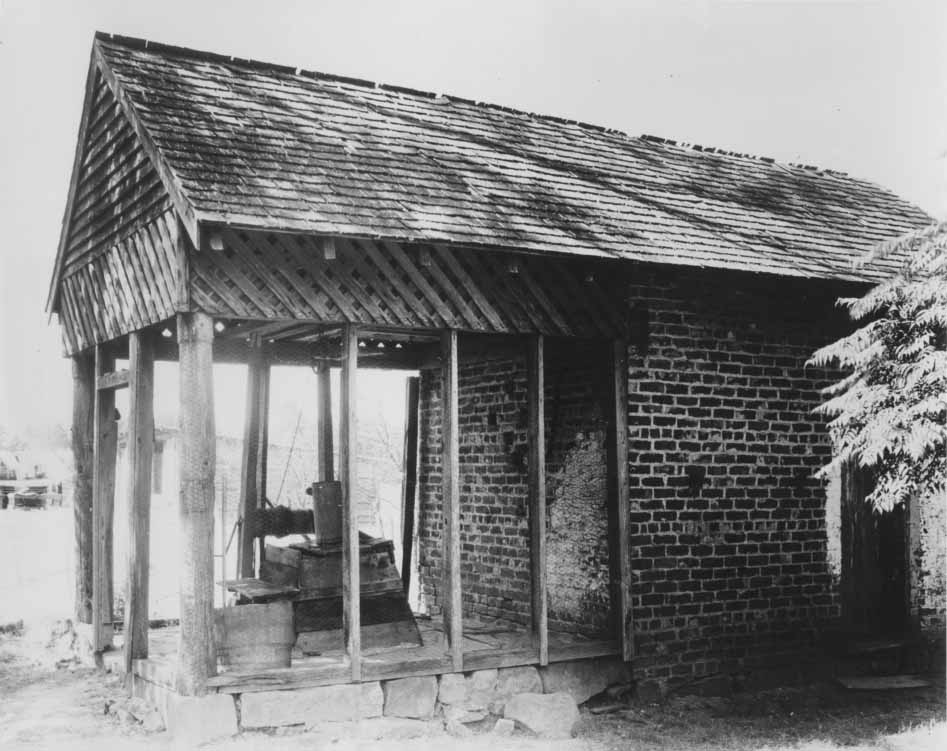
(619, 552)
(410, 482)
(535, 388)
(141, 439)
(324, 424)
(103, 503)
(197, 656)
(83, 439)
(249, 487)
(450, 489)
(348, 474)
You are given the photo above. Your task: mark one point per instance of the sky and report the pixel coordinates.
(857, 86)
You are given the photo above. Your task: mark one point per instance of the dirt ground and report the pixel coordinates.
(45, 706)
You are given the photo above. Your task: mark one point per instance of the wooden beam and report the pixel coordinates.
(410, 475)
(115, 380)
(197, 654)
(536, 398)
(141, 439)
(348, 474)
(103, 505)
(83, 441)
(249, 490)
(619, 541)
(324, 424)
(263, 444)
(450, 472)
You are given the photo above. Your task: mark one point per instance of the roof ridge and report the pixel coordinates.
(145, 44)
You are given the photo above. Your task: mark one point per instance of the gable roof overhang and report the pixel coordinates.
(256, 146)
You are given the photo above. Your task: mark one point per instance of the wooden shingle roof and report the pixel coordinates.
(262, 146)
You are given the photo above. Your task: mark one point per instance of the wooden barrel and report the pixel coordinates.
(327, 511)
(255, 637)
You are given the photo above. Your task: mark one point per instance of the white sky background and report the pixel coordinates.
(854, 86)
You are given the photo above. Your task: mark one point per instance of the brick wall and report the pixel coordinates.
(495, 555)
(728, 532)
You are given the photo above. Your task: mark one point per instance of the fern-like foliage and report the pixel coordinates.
(889, 412)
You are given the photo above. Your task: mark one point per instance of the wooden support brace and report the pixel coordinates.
(115, 380)
(348, 473)
(410, 481)
(103, 505)
(535, 387)
(263, 443)
(141, 434)
(197, 653)
(619, 541)
(324, 425)
(450, 473)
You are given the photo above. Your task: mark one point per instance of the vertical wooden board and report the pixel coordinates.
(535, 387)
(324, 424)
(410, 477)
(103, 504)
(249, 498)
(197, 653)
(619, 541)
(450, 472)
(83, 442)
(141, 431)
(263, 443)
(348, 473)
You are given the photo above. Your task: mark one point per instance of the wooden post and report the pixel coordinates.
(324, 425)
(249, 498)
(619, 542)
(197, 655)
(451, 603)
(103, 504)
(83, 440)
(141, 437)
(535, 387)
(351, 586)
(410, 482)
(263, 445)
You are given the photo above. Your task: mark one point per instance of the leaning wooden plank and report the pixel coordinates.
(326, 456)
(249, 501)
(882, 682)
(450, 489)
(409, 485)
(348, 474)
(141, 429)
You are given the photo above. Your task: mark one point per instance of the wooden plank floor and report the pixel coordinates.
(485, 646)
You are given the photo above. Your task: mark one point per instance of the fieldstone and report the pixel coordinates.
(457, 713)
(547, 715)
(481, 689)
(413, 698)
(457, 729)
(371, 700)
(194, 720)
(512, 681)
(504, 727)
(583, 679)
(151, 721)
(270, 709)
(393, 729)
(452, 689)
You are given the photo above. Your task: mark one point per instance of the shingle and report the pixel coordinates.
(268, 147)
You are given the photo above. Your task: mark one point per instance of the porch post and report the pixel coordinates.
(83, 439)
(351, 586)
(324, 424)
(249, 498)
(619, 552)
(141, 434)
(535, 387)
(197, 655)
(410, 482)
(451, 603)
(105, 449)
(263, 445)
